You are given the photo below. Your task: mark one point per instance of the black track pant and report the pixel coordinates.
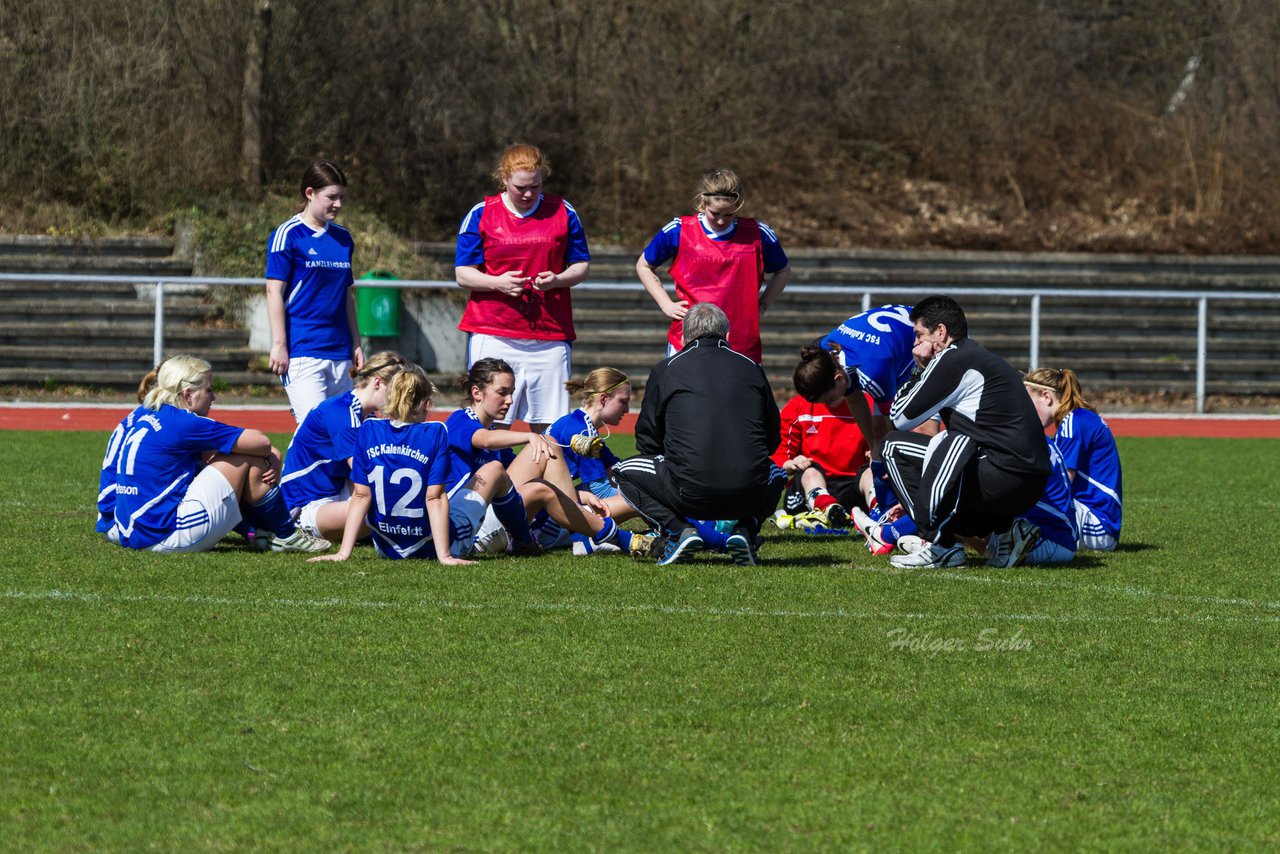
(950, 488)
(645, 483)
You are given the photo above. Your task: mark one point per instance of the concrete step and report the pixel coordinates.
(72, 334)
(112, 265)
(130, 358)
(42, 244)
(120, 377)
(177, 310)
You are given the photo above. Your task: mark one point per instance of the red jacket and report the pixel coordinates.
(828, 436)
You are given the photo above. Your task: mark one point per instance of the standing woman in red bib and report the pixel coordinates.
(519, 253)
(720, 258)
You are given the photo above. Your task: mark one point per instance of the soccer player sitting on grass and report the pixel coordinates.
(399, 468)
(1089, 451)
(542, 495)
(317, 464)
(825, 454)
(107, 480)
(605, 397)
(184, 481)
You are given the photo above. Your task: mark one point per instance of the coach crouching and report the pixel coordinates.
(706, 429)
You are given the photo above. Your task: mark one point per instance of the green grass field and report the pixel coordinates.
(234, 700)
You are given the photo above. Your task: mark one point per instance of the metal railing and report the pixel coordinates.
(1036, 295)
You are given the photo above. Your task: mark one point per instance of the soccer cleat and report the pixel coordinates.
(739, 547)
(837, 516)
(298, 541)
(811, 521)
(527, 548)
(677, 548)
(642, 545)
(782, 520)
(1012, 547)
(930, 556)
(861, 521)
(586, 446)
(492, 542)
(911, 543)
(875, 543)
(581, 548)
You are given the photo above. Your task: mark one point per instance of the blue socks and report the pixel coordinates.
(511, 513)
(270, 512)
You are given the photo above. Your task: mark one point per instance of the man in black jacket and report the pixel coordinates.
(704, 435)
(990, 464)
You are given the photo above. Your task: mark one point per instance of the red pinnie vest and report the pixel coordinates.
(727, 273)
(528, 245)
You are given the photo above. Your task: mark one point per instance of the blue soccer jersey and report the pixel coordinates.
(1089, 449)
(399, 462)
(315, 466)
(1053, 514)
(664, 245)
(107, 480)
(464, 458)
(159, 457)
(874, 348)
(470, 248)
(315, 267)
(585, 469)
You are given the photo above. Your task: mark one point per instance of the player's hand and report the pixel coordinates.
(336, 557)
(543, 449)
(357, 357)
(545, 281)
(450, 560)
(594, 503)
(798, 463)
(511, 283)
(279, 362)
(677, 310)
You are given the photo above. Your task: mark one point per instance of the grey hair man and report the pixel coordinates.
(706, 429)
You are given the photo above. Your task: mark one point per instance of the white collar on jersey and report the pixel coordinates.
(717, 234)
(522, 214)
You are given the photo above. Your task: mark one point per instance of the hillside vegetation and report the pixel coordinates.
(1144, 125)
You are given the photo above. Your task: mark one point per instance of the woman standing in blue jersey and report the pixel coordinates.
(184, 481)
(310, 301)
(1092, 459)
(317, 464)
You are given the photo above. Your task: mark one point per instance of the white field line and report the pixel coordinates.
(1126, 590)
(585, 608)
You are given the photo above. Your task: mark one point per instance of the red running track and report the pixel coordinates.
(272, 419)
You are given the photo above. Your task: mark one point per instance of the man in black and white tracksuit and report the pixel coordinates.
(988, 466)
(704, 436)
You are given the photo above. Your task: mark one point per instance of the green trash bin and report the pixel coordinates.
(378, 309)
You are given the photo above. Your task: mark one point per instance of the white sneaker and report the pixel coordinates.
(1012, 547)
(911, 544)
(931, 556)
(299, 541)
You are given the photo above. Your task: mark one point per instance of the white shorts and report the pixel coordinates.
(1093, 535)
(207, 513)
(306, 517)
(466, 513)
(541, 369)
(310, 382)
